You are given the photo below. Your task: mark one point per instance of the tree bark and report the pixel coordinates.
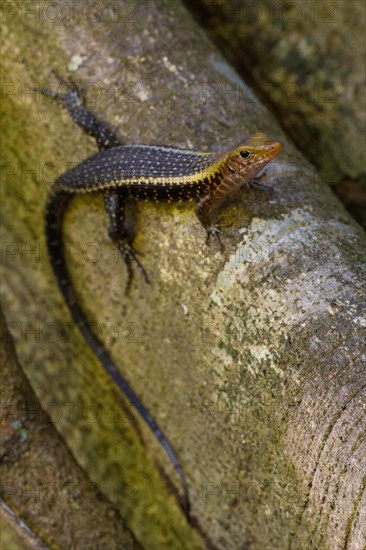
(252, 362)
(41, 481)
(306, 60)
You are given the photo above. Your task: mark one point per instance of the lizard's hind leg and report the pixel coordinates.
(122, 234)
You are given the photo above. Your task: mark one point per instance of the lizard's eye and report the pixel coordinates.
(245, 154)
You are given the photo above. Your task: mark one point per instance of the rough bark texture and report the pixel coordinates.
(9, 537)
(307, 60)
(40, 480)
(252, 362)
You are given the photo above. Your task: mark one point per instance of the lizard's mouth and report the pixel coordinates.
(275, 148)
(269, 149)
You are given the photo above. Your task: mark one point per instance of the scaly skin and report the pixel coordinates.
(145, 173)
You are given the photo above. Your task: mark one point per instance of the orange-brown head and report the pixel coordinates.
(248, 158)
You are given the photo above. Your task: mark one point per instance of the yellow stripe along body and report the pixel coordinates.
(146, 172)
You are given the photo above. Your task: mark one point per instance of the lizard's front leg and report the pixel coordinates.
(258, 183)
(206, 212)
(122, 234)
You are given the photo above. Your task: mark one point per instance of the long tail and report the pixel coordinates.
(56, 207)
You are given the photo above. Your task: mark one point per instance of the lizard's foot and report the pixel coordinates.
(229, 234)
(217, 234)
(257, 182)
(70, 99)
(129, 255)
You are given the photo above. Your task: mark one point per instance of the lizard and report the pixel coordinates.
(147, 173)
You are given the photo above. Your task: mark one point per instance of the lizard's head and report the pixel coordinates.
(251, 155)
